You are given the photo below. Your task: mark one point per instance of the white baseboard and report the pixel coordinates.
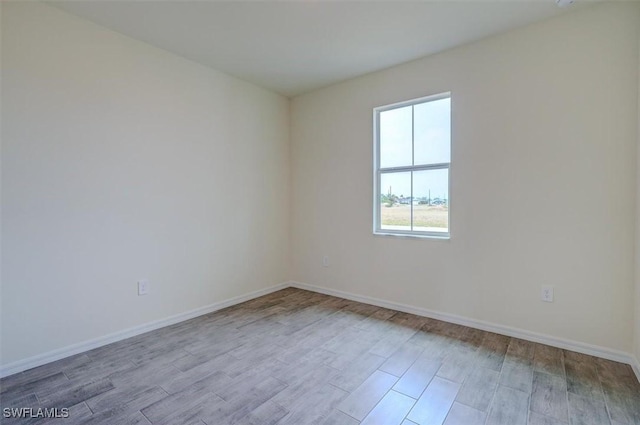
(580, 347)
(40, 359)
(593, 350)
(635, 365)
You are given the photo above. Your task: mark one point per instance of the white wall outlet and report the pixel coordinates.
(547, 293)
(325, 261)
(143, 287)
(564, 3)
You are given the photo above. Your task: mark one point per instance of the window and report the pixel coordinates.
(412, 157)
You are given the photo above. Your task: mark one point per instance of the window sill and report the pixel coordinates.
(444, 236)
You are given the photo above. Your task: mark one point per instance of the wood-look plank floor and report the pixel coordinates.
(298, 357)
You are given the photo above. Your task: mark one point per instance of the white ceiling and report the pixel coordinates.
(298, 46)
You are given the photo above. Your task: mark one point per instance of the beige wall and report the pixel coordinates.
(543, 181)
(121, 161)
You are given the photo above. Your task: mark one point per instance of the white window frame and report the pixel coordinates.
(377, 173)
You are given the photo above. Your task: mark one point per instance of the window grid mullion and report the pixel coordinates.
(415, 168)
(411, 201)
(413, 160)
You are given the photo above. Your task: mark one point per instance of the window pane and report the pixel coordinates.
(431, 200)
(395, 137)
(432, 125)
(395, 201)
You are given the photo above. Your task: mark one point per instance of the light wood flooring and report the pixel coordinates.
(298, 357)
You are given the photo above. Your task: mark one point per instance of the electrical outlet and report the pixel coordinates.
(325, 261)
(547, 293)
(143, 287)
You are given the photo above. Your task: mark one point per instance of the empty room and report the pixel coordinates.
(320, 212)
